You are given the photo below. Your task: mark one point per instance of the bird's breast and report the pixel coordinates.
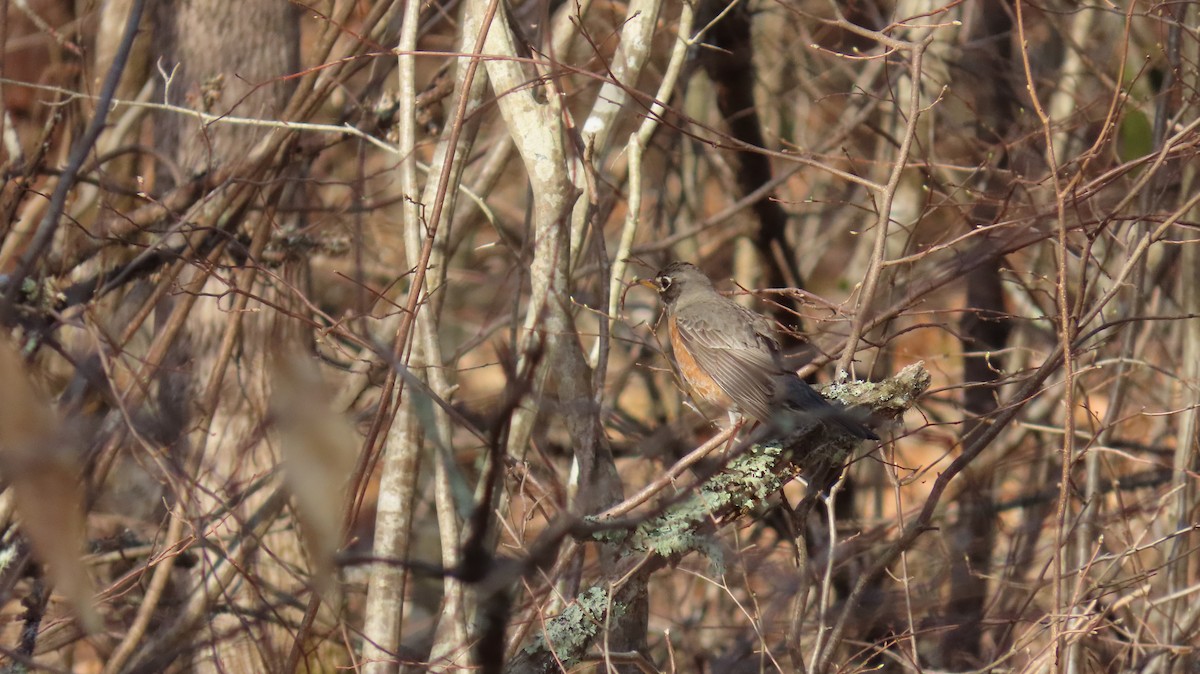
(701, 383)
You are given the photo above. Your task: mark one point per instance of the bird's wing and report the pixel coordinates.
(725, 341)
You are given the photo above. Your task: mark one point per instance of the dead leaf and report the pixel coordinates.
(319, 446)
(39, 460)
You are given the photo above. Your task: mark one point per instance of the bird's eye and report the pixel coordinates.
(664, 282)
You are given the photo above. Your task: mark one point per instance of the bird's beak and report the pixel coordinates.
(646, 283)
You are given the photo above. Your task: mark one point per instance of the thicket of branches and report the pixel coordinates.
(320, 351)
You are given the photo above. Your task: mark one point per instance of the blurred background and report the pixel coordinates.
(318, 340)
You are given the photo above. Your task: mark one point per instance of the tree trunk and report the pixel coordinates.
(229, 59)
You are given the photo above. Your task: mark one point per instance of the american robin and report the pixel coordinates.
(729, 356)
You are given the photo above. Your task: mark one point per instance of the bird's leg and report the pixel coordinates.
(736, 421)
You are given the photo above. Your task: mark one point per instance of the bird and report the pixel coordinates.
(728, 355)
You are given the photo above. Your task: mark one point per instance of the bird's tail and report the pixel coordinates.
(794, 395)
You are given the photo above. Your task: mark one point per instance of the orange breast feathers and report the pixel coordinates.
(702, 385)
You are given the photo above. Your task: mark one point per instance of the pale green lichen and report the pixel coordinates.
(674, 532)
(7, 554)
(894, 394)
(571, 632)
(743, 486)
